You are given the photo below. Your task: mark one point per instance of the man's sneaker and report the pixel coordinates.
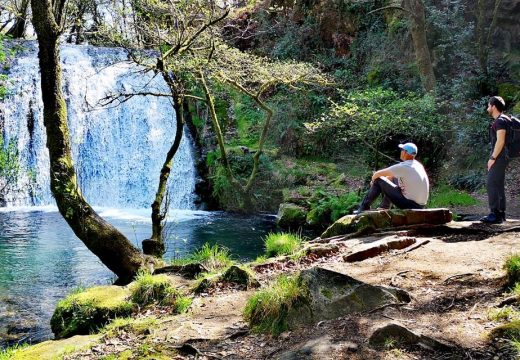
(492, 219)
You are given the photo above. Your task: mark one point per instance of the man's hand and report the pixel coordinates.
(490, 164)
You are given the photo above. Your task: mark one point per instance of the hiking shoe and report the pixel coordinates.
(492, 219)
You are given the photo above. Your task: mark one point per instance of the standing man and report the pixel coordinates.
(497, 163)
(405, 184)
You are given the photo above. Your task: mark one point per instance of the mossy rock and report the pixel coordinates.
(56, 349)
(241, 276)
(510, 330)
(510, 92)
(87, 311)
(369, 221)
(291, 216)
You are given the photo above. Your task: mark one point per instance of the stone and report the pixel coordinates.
(240, 275)
(379, 248)
(331, 295)
(321, 250)
(189, 271)
(370, 221)
(89, 310)
(291, 216)
(401, 336)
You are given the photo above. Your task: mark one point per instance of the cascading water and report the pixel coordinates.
(118, 150)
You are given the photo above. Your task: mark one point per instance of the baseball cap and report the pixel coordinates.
(410, 148)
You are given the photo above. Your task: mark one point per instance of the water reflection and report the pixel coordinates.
(41, 260)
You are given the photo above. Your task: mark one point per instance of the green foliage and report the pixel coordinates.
(282, 244)
(129, 325)
(376, 120)
(512, 267)
(153, 289)
(330, 208)
(10, 168)
(212, 257)
(507, 313)
(267, 310)
(446, 196)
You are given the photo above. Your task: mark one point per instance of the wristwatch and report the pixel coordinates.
(492, 157)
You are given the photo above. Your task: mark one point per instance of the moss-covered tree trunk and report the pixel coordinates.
(415, 10)
(155, 246)
(112, 247)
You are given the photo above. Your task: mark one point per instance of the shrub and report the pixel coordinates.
(282, 244)
(512, 267)
(149, 289)
(267, 310)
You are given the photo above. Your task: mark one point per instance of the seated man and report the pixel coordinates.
(405, 184)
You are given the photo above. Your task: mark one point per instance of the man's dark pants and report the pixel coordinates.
(391, 195)
(496, 187)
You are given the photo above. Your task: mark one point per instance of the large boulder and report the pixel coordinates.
(291, 216)
(370, 221)
(86, 311)
(331, 294)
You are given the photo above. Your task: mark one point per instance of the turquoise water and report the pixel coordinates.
(41, 260)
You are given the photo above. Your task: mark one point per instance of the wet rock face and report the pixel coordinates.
(332, 294)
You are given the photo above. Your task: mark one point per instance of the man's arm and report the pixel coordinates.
(383, 172)
(499, 145)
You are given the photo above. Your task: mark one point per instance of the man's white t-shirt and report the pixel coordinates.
(413, 180)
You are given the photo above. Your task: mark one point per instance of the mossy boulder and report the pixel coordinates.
(332, 294)
(55, 349)
(240, 275)
(369, 221)
(85, 312)
(291, 216)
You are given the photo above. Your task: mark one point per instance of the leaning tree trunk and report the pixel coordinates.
(106, 242)
(415, 10)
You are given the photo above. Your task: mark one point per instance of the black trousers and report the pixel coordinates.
(496, 185)
(392, 194)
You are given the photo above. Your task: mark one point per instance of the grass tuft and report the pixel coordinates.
(212, 257)
(267, 310)
(149, 289)
(512, 267)
(282, 244)
(9, 352)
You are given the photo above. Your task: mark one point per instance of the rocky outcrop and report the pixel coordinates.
(331, 294)
(370, 221)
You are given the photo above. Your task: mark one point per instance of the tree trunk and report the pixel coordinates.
(17, 31)
(106, 242)
(415, 10)
(156, 245)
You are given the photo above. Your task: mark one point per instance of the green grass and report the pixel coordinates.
(267, 310)
(506, 313)
(446, 196)
(9, 352)
(512, 267)
(282, 244)
(149, 289)
(212, 257)
(135, 326)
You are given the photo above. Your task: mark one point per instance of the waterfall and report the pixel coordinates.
(118, 151)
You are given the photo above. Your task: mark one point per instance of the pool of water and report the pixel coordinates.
(41, 260)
